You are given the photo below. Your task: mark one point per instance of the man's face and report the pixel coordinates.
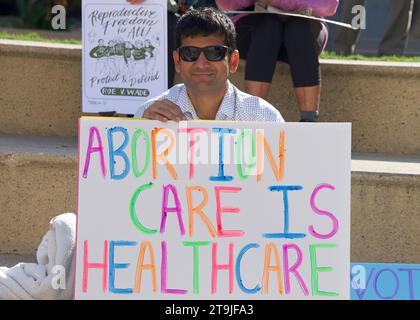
(202, 75)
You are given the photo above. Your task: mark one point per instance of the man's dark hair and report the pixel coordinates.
(203, 22)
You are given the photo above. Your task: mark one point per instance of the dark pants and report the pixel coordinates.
(264, 39)
(395, 38)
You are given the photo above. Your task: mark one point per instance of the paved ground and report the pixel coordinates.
(9, 260)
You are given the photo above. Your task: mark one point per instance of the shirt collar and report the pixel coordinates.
(185, 104)
(226, 109)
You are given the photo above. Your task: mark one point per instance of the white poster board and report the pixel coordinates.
(161, 217)
(124, 54)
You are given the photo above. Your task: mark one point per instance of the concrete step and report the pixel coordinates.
(9, 260)
(41, 95)
(38, 182)
(385, 208)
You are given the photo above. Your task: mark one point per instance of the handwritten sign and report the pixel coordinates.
(124, 54)
(385, 281)
(212, 210)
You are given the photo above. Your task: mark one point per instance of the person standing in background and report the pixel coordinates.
(395, 37)
(346, 39)
(415, 24)
(264, 39)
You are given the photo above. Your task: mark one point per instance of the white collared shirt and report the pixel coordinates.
(236, 105)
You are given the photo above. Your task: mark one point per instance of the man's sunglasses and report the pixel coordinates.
(212, 53)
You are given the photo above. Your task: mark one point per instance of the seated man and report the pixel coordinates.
(205, 57)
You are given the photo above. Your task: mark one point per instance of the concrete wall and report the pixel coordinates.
(40, 88)
(382, 100)
(41, 95)
(38, 182)
(385, 220)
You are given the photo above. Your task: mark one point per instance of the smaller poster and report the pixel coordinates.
(124, 54)
(385, 281)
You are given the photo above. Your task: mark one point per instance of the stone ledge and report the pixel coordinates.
(386, 164)
(71, 51)
(17, 48)
(45, 148)
(10, 260)
(385, 218)
(41, 95)
(38, 145)
(36, 186)
(38, 182)
(388, 64)
(43, 47)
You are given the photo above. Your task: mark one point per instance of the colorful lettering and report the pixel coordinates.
(216, 267)
(91, 149)
(315, 270)
(198, 210)
(119, 152)
(196, 276)
(220, 210)
(221, 176)
(146, 245)
(286, 234)
(166, 209)
(322, 212)
(133, 214)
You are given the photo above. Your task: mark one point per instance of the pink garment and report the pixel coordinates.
(291, 4)
(234, 4)
(320, 8)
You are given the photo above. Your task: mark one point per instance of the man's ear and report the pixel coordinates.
(234, 61)
(175, 56)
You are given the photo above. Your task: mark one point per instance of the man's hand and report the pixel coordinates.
(164, 110)
(135, 1)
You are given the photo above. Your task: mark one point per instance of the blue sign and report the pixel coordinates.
(384, 281)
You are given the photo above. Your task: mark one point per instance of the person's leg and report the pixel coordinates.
(264, 41)
(415, 20)
(303, 50)
(258, 88)
(308, 98)
(395, 38)
(346, 39)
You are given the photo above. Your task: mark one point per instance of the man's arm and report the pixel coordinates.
(162, 110)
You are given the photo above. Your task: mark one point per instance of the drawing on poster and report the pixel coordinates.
(124, 55)
(130, 61)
